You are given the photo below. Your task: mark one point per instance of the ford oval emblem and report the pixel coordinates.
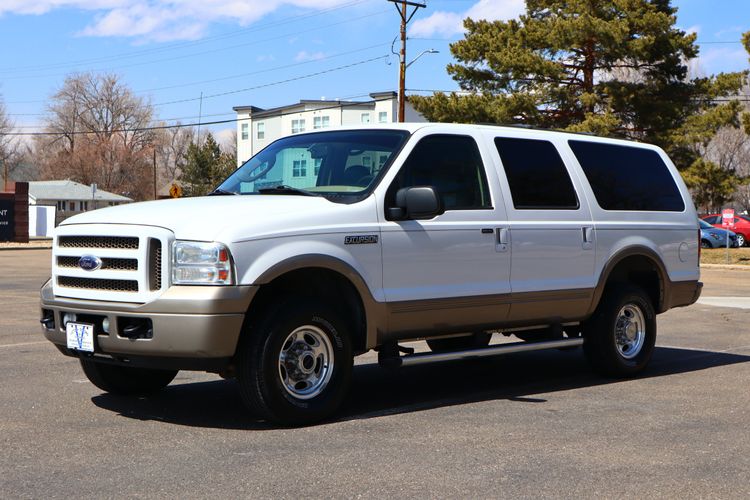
(89, 263)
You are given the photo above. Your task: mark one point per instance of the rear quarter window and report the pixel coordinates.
(628, 178)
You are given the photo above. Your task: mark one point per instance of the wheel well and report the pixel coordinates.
(320, 283)
(641, 271)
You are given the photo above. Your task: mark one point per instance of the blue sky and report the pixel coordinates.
(264, 52)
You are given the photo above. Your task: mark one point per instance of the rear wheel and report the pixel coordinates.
(619, 338)
(295, 366)
(474, 341)
(126, 380)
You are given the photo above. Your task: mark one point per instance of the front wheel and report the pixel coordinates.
(126, 380)
(619, 338)
(295, 365)
(740, 240)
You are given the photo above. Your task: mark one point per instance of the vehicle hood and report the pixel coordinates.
(219, 218)
(720, 232)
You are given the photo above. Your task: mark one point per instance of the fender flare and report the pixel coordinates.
(634, 251)
(375, 312)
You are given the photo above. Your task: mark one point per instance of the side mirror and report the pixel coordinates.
(418, 202)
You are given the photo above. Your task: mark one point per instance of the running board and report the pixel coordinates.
(484, 352)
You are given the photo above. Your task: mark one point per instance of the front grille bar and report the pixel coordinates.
(121, 242)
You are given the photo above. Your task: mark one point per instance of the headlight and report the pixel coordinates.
(197, 263)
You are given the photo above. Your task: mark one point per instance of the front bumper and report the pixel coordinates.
(187, 322)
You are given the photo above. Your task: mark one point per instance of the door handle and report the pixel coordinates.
(502, 239)
(587, 234)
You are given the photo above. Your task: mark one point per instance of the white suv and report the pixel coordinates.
(328, 244)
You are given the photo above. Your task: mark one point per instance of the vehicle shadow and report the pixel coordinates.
(378, 391)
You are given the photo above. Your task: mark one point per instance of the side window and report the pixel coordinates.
(452, 165)
(712, 220)
(536, 174)
(628, 178)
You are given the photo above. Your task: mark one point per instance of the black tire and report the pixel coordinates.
(474, 341)
(267, 386)
(625, 357)
(126, 380)
(705, 244)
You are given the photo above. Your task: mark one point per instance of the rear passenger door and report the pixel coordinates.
(552, 236)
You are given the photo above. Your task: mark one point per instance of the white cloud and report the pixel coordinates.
(161, 20)
(447, 24)
(226, 138)
(715, 60)
(309, 56)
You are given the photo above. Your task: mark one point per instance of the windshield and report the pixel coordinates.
(704, 224)
(332, 164)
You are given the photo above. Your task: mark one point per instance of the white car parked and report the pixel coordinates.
(328, 244)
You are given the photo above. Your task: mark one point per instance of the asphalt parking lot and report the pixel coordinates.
(524, 425)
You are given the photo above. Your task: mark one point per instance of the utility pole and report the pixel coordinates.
(154, 151)
(402, 8)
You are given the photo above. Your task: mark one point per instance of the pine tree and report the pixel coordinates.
(205, 167)
(612, 67)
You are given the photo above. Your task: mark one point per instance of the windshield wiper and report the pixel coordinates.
(284, 189)
(221, 192)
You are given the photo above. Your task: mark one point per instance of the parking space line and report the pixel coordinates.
(24, 343)
(708, 351)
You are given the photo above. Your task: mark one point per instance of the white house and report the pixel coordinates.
(258, 127)
(52, 201)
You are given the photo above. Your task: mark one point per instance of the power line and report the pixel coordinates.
(179, 45)
(194, 54)
(339, 104)
(279, 82)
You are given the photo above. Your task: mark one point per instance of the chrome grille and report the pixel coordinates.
(112, 264)
(154, 264)
(98, 284)
(122, 242)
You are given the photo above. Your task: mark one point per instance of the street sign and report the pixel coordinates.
(7, 225)
(727, 218)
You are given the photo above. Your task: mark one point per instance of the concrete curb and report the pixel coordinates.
(733, 267)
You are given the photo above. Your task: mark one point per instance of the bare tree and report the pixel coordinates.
(11, 150)
(171, 150)
(100, 135)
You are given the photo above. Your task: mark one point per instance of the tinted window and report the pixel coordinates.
(705, 225)
(536, 174)
(628, 178)
(452, 165)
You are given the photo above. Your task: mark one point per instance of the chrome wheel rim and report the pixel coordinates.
(306, 362)
(630, 331)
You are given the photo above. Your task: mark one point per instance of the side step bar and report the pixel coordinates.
(418, 359)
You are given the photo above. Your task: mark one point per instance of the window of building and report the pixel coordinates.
(299, 168)
(72, 206)
(61, 205)
(365, 117)
(84, 205)
(321, 122)
(536, 175)
(628, 178)
(261, 130)
(298, 126)
(383, 117)
(452, 165)
(316, 168)
(244, 135)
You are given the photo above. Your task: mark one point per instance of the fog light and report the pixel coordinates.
(69, 318)
(105, 325)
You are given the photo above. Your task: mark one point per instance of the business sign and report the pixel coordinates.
(6, 219)
(727, 218)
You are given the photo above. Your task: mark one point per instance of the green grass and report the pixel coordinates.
(739, 256)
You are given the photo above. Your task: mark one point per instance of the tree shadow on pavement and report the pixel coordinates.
(378, 391)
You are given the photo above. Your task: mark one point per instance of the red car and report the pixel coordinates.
(741, 226)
